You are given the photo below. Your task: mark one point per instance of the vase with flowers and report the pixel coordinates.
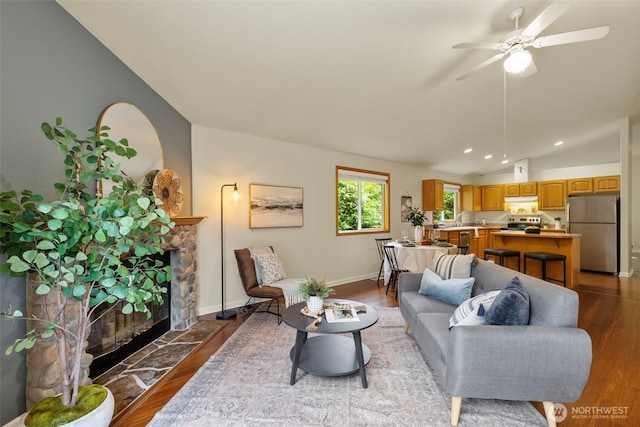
(417, 218)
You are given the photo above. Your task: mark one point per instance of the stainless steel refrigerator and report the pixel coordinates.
(597, 218)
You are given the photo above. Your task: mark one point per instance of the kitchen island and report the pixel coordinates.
(558, 243)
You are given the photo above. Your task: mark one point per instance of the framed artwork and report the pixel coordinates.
(405, 205)
(275, 206)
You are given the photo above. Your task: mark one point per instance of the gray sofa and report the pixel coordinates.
(548, 360)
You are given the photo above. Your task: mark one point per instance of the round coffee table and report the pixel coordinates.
(328, 353)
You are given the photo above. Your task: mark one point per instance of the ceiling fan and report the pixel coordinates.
(515, 43)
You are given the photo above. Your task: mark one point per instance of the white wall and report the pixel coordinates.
(223, 157)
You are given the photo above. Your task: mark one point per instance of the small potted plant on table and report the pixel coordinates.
(314, 292)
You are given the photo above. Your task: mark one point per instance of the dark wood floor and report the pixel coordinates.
(609, 312)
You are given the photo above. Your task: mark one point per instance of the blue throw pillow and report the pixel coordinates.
(453, 291)
(511, 306)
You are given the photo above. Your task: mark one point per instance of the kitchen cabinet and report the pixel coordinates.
(606, 184)
(432, 195)
(478, 244)
(492, 197)
(471, 198)
(552, 195)
(521, 189)
(580, 186)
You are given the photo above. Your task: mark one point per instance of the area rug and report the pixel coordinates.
(246, 383)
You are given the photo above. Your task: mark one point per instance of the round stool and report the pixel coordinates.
(501, 254)
(545, 257)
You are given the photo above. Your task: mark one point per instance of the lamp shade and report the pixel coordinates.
(517, 61)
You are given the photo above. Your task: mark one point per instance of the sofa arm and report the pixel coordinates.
(539, 363)
(409, 282)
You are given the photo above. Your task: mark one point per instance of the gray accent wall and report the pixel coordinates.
(50, 66)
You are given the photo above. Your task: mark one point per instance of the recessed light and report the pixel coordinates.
(488, 156)
(468, 150)
(505, 161)
(559, 143)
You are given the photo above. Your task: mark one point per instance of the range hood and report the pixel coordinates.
(524, 199)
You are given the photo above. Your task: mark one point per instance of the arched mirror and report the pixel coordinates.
(128, 121)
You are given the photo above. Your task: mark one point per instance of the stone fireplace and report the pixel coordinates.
(181, 242)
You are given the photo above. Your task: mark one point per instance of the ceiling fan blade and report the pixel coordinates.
(544, 19)
(481, 45)
(531, 69)
(577, 36)
(482, 65)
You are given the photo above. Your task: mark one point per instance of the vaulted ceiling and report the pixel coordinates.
(378, 78)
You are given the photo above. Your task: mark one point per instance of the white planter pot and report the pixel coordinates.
(314, 304)
(99, 417)
(418, 233)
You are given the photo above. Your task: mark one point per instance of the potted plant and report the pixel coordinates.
(417, 217)
(82, 250)
(314, 292)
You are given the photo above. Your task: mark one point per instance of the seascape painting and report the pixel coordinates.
(275, 206)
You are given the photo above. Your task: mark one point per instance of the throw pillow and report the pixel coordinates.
(453, 266)
(453, 291)
(255, 251)
(468, 313)
(511, 306)
(270, 267)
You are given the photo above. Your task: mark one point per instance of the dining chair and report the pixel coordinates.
(390, 253)
(380, 244)
(462, 249)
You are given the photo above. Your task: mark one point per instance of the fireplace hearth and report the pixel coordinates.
(115, 336)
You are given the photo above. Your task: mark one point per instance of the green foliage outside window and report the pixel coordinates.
(449, 205)
(359, 202)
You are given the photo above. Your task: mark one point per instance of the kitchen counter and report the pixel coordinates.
(567, 244)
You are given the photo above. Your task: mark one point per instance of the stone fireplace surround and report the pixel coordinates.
(181, 241)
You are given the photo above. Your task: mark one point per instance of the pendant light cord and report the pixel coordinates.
(504, 114)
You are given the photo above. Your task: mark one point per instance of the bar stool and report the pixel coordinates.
(501, 254)
(545, 257)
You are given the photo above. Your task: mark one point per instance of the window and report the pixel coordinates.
(451, 202)
(362, 201)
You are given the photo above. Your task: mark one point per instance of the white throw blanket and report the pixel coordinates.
(290, 290)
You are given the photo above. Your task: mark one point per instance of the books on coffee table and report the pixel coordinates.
(336, 314)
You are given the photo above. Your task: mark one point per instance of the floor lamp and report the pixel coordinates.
(225, 314)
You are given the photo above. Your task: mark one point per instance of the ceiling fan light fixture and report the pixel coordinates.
(518, 61)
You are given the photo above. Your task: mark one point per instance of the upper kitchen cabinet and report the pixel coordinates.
(552, 195)
(521, 189)
(606, 184)
(432, 195)
(492, 197)
(471, 197)
(580, 186)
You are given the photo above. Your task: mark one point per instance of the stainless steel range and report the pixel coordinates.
(520, 222)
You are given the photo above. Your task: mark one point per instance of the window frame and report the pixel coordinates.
(455, 188)
(386, 209)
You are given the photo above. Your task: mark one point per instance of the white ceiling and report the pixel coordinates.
(378, 78)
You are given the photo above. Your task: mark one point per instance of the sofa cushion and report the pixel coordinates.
(270, 268)
(511, 306)
(453, 266)
(467, 313)
(255, 251)
(453, 291)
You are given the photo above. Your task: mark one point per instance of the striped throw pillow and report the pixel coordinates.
(468, 313)
(453, 266)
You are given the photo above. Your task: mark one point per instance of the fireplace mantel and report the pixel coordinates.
(187, 220)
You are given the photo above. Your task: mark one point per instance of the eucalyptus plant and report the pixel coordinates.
(83, 250)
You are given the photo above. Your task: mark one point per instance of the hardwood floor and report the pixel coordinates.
(609, 312)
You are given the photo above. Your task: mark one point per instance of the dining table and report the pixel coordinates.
(416, 258)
